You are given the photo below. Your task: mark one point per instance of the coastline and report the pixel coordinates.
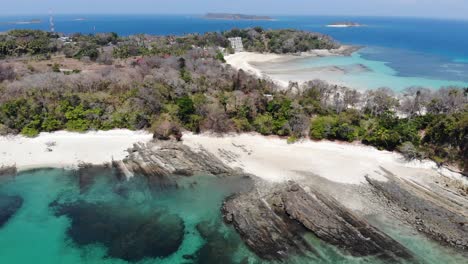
(269, 158)
(67, 150)
(273, 159)
(247, 60)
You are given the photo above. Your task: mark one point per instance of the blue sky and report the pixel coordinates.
(421, 8)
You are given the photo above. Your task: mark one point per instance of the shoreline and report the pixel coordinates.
(246, 60)
(67, 150)
(269, 158)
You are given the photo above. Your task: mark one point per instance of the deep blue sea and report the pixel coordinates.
(419, 50)
(61, 220)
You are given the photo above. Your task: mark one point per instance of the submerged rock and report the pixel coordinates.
(273, 224)
(438, 212)
(334, 224)
(9, 205)
(127, 234)
(220, 246)
(87, 174)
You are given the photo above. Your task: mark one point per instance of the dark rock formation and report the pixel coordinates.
(269, 234)
(158, 160)
(9, 205)
(86, 175)
(220, 246)
(440, 213)
(127, 234)
(272, 225)
(8, 171)
(335, 224)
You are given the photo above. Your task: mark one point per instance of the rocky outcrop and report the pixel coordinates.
(266, 231)
(158, 160)
(8, 170)
(272, 224)
(333, 223)
(437, 211)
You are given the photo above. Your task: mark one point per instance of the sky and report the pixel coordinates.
(456, 9)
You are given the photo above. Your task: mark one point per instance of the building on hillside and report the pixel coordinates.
(236, 44)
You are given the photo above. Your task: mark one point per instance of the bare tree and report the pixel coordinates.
(381, 100)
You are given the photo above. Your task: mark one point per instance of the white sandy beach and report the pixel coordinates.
(70, 149)
(245, 61)
(272, 159)
(269, 158)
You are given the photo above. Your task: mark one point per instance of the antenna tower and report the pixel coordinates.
(51, 22)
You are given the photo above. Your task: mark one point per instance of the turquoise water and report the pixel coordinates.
(355, 71)
(69, 219)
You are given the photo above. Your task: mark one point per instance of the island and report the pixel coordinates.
(168, 142)
(26, 22)
(345, 24)
(228, 16)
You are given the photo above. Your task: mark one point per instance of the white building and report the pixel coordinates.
(236, 44)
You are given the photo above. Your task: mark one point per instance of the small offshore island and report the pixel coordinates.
(177, 154)
(228, 16)
(26, 22)
(345, 24)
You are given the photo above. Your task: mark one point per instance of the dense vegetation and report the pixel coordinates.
(40, 43)
(181, 83)
(281, 41)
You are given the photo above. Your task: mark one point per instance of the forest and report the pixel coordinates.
(171, 84)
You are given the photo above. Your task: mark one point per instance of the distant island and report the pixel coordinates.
(227, 16)
(345, 24)
(26, 22)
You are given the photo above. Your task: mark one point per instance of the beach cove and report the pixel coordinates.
(353, 71)
(194, 205)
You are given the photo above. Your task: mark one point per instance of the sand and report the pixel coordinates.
(272, 159)
(67, 149)
(269, 158)
(245, 61)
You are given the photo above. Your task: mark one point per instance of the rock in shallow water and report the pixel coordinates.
(220, 246)
(272, 224)
(9, 205)
(437, 212)
(126, 233)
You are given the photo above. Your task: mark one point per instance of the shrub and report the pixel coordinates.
(219, 56)
(409, 151)
(292, 139)
(241, 124)
(56, 67)
(322, 128)
(7, 73)
(345, 132)
(264, 124)
(165, 127)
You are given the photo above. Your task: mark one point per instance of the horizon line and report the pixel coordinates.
(262, 14)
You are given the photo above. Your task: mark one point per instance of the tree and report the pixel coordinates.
(186, 108)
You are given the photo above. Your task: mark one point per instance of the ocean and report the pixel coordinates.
(92, 217)
(63, 218)
(398, 52)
